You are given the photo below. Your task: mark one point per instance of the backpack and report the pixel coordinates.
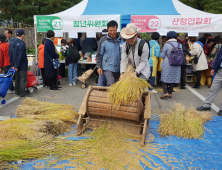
(140, 49)
(176, 55)
(74, 55)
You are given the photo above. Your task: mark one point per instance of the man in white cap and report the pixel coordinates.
(135, 52)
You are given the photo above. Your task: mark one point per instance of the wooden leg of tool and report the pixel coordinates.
(145, 129)
(147, 117)
(79, 126)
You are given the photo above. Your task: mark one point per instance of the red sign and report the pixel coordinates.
(146, 23)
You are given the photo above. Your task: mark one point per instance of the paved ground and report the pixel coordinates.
(74, 95)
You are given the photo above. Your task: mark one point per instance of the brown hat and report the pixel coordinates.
(129, 31)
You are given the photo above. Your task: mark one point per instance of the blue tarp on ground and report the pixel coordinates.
(185, 153)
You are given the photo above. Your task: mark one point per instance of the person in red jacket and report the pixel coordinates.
(41, 63)
(5, 61)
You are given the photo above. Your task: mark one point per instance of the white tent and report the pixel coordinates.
(149, 15)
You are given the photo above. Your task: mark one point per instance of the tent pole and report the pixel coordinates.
(36, 49)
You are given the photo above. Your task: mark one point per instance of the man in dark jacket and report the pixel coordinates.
(19, 61)
(49, 55)
(216, 85)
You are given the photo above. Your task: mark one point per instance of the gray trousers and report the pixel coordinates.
(111, 77)
(20, 82)
(214, 90)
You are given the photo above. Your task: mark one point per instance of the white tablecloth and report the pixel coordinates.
(81, 62)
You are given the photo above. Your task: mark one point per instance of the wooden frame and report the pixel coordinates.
(147, 115)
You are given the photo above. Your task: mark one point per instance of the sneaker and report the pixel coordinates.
(70, 84)
(74, 83)
(10, 92)
(154, 91)
(204, 108)
(58, 87)
(54, 88)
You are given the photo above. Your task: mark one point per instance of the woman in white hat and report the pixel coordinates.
(131, 56)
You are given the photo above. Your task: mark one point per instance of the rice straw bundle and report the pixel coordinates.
(34, 109)
(181, 122)
(21, 129)
(128, 89)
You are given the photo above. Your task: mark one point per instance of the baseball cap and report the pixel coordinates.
(20, 32)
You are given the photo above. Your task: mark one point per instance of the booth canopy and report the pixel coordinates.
(170, 14)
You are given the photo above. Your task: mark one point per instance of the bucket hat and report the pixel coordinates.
(129, 31)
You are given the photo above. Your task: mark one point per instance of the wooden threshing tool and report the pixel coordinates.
(132, 118)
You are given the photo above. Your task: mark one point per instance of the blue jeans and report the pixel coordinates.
(72, 72)
(152, 79)
(6, 69)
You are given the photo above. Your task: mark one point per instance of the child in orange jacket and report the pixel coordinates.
(41, 63)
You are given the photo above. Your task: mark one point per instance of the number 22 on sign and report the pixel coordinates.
(154, 24)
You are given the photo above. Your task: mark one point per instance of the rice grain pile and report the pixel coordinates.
(182, 122)
(128, 89)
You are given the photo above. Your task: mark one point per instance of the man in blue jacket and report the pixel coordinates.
(49, 55)
(109, 54)
(216, 86)
(19, 62)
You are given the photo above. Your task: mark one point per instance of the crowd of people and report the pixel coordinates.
(114, 53)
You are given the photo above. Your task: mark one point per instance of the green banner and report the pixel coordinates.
(45, 23)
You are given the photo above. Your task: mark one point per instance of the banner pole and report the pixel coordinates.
(36, 49)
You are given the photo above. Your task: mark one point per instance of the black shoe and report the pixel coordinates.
(25, 95)
(196, 87)
(58, 87)
(182, 87)
(204, 109)
(58, 82)
(220, 113)
(173, 91)
(54, 88)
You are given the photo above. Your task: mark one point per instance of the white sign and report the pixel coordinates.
(58, 33)
(73, 34)
(178, 23)
(91, 34)
(193, 33)
(162, 31)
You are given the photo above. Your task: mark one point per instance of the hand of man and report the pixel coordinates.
(134, 74)
(100, 71)
(212, 72)
(121, 77)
